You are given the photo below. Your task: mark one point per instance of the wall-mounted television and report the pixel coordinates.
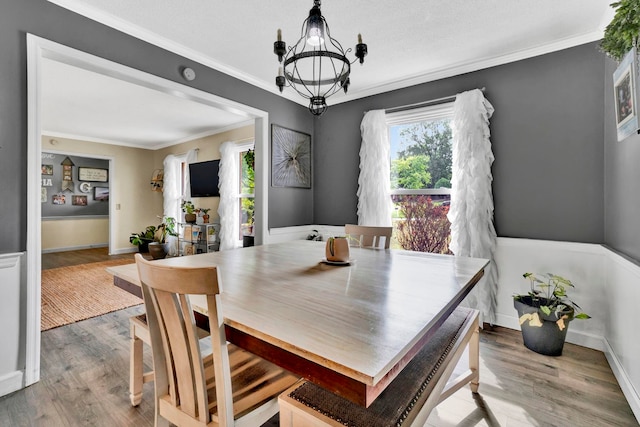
(203, 177)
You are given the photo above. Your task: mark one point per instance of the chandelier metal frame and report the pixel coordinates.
(317, 66)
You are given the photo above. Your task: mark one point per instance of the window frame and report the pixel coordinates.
(417, 115)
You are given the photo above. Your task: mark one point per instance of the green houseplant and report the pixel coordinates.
(189, 211)
(151, 235)
(143, 238)
(545, 312)
(622, 32)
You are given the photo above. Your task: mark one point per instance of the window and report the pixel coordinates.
(246, 192)
(421, 165)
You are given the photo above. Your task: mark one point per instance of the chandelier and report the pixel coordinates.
(317, 65)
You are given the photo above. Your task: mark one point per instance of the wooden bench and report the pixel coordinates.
(410, 397)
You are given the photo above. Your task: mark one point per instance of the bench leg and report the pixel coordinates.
(474, 360)
(135, 371)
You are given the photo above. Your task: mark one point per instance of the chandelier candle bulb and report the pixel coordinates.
(359, 38)
(280, 35)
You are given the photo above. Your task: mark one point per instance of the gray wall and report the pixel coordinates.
(547, 133)
(621, 180)
(49, 21)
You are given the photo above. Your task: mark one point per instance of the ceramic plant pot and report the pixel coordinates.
(157, 250)
(544, 337)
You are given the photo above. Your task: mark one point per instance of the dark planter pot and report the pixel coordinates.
(143, 247)
(157, 250)
(547, 339)
(247, 241)
(190, 218)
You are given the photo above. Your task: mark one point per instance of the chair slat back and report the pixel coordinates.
(180, 376)
(369, 236)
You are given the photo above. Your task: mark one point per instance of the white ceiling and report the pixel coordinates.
(409, 42)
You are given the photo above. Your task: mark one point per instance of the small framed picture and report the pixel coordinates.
(59, 199)
(625, 96)
(101, 194)
(79, 200)
(47, 169)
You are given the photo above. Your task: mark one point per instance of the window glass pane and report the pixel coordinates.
(247, 172)
(421, 155)
(246, 192)
(421, 162)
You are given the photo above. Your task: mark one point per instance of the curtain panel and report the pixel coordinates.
(374, 199)
(173, 190)
(228, 183)
(471, 213)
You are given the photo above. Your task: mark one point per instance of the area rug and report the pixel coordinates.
(79, 292)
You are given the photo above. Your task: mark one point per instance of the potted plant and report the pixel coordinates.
(205, 215)
(545, 312)
(142, 239)
(622, 33)
(158, 249)
(190, 211)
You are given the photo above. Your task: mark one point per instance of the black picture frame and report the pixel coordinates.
(290, 158)
(93, 174)
(101, 194)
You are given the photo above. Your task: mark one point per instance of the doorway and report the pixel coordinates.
(38, 49)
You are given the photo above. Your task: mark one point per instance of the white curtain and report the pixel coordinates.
(173, 190)
(374, 200)
(471, 213)
(228, 184)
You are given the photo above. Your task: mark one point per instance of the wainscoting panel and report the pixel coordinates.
(583, 264)
(622, 300)
(12, 349)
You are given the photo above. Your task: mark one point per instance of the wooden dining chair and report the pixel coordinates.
(138, 336)
(229, 386)
(409, 398)
(369, 237)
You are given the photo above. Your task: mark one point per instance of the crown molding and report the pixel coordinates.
(467, 67)
(457, 69)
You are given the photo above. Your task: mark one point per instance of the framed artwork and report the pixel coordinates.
(43, 194)
(93, 174)
(290, 158)
(101, 194)
(59, 199)
(47, 169)
(625, 96)
(79, 200)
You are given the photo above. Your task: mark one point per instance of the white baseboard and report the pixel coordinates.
(11, 382)
(124, 250)
(75, 248)
(580, 338)
(629, 391)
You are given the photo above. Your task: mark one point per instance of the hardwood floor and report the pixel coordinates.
(84, 382)
(85, 256)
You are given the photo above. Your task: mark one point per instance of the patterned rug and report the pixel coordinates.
(70, 294)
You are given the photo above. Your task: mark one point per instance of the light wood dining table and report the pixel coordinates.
(348, 328)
